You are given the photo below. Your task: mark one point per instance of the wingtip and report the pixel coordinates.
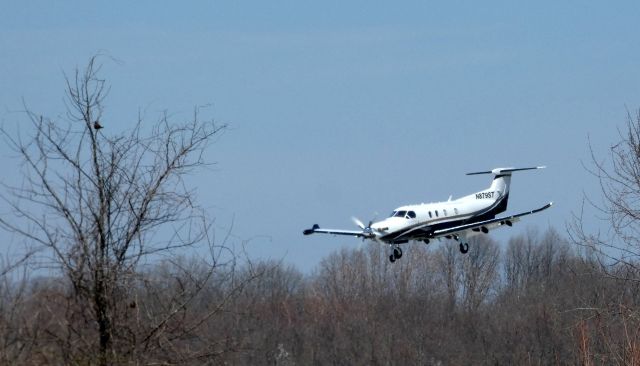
(312, 230)
(478, 173)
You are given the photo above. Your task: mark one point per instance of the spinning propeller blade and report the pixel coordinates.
(357, 222)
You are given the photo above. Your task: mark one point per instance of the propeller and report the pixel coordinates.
(357, 222)
(367, 230)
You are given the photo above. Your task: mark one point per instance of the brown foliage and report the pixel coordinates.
(354, 308)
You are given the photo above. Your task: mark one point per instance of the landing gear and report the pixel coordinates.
(464, 247)
(395, 254)
(426, 241)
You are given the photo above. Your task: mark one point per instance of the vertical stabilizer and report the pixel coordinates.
(500, 185)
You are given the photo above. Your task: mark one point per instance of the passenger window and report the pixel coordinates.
(455, 210)
(445, 211)
(430, 214)
(437, 213)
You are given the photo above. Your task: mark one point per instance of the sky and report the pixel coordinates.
(340, 109)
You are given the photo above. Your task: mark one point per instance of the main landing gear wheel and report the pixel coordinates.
(464, 248)
(395, 254)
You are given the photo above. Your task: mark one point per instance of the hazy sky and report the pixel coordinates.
(347, 108)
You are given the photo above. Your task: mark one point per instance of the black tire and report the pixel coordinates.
(464, 248)
(392, 258)
(397, 253)
(426, 241)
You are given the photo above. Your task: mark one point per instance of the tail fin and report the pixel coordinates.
(501, 183)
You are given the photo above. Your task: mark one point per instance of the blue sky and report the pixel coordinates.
(347, 108)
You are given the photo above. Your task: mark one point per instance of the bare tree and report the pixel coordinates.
(99, 202)
(448, 263)
(608, 329)
(529, 259)
(479, 272)
(619, 206)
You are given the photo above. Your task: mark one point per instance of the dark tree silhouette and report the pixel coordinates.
(99, 204)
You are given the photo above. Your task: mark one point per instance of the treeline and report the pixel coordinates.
(536, 300)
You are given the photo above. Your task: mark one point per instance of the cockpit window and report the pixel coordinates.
(400, 213)
(411, 215)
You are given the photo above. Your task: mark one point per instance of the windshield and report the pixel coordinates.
(405, 214)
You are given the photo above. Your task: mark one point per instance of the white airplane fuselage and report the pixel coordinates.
(479, 206)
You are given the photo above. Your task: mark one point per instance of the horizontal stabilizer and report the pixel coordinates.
(498, 171)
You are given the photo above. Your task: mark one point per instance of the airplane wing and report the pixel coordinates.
(316, 229)
(487, 224)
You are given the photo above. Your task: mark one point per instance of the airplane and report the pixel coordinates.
(457, 219)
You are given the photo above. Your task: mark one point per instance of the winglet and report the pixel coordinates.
(312, 230)
(543, 207)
